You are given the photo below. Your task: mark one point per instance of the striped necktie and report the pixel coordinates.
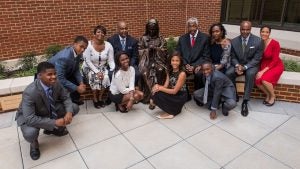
(206, 90)
(123, 44)
(52, 103)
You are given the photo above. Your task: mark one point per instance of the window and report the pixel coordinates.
(280, 14)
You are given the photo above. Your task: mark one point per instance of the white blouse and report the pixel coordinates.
(123, 81)
(94, 59)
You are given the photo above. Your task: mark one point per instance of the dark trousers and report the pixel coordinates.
(75, 96)
(31, 133)
(250, 74)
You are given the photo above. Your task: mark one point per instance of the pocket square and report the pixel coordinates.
(251, 47)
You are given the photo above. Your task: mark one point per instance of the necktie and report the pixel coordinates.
(123, 44)
(52, 103)
(193, 41)
(206, 90)
(244, 44)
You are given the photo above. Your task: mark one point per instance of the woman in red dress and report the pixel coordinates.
(271, 67)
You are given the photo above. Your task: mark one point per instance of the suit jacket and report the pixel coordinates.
(131, 47)
(220, 87)
(194, 55)
(253, 51)
(34, 109)
(67, 67)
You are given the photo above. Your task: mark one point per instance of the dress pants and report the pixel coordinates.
(31, 133)
(250, 74)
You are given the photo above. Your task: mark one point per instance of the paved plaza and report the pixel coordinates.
(269, 138)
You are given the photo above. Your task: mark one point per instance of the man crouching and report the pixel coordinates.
(45, 104)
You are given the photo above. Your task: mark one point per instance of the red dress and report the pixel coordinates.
(272, 60)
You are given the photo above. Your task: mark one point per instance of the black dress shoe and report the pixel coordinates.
(224, 112)
(35, 153)
(78, 102)
(199, 103)
(244, 110)
(57, 132)
(237, 99)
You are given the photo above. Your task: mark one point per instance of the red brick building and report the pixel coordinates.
(32, 25)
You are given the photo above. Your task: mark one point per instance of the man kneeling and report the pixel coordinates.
(45, 104)
(218, 89)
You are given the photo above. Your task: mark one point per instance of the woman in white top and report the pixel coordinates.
(123, 93)
(98, 62)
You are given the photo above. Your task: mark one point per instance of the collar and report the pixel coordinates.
(246, 38)
(75, 54)
(122, 38)
(195, 34)
(45, 87)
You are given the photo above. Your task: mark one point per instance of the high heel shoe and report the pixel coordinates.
(270, 104)
(101, 104)
(96, 105)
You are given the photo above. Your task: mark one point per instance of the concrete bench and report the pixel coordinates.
(288, 89)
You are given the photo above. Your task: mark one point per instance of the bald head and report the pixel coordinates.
(122, 29)
(245, 28)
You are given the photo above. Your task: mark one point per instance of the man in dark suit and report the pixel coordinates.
(67, 67)
(45, 104)
(218, 89)
(194, 48)
(246, 52)
(124, 42)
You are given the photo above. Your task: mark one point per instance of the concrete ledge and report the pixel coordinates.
(15, 85)
(288, 78)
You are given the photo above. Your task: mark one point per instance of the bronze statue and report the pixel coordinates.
(153, 58)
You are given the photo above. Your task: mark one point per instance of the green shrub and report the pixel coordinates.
(52, 49)
(291, 66)
(28, 61)
(171, 44)
(23, 73)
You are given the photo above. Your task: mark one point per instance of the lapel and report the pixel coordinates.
(239, 46)
(118, 42)
(42, 94)
(188, 41)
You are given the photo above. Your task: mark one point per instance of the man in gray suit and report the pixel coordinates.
(246, 52)
(45, 104)
(218, 89)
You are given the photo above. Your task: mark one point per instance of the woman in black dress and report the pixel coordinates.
(219, 47)
(172, 95)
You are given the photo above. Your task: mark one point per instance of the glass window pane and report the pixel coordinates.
(234, 10)
(293, 12)
(272, 10)
(251, 10)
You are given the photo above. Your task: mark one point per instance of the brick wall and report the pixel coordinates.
(32, 25)
(289, 93)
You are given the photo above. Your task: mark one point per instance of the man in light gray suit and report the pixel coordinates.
(45, 104)
(218, 89)
(246, 53)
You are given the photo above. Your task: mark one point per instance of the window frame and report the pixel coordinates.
(280, 26)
